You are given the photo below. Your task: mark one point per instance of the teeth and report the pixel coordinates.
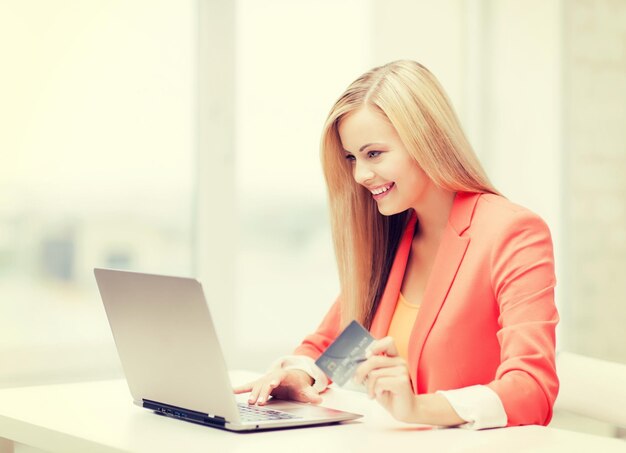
(380, 190)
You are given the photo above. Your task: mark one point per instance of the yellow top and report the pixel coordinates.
(402, 325)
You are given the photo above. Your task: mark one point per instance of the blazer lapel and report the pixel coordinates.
(447, 261)
(387, 306)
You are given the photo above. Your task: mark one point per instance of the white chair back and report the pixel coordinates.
(592, 387)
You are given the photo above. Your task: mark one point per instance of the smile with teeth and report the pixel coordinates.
(381, 190)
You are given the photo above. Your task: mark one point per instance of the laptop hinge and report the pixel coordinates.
(184, 414)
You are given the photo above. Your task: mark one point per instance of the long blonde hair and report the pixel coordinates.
(365, 241)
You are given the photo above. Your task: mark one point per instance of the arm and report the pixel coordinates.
(522, 269)
(525, 384)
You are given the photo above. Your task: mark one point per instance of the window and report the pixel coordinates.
(97, 148)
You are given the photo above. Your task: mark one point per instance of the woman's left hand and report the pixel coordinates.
(386, 378)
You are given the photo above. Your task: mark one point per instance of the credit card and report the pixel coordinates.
(343, 356)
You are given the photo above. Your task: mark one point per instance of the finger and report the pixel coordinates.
(266, 390)
(275, 377)
(369, 365)
(386, 346)
(363, 370)
(373, 378)
(374, 363)
(383, 385)
(243, 388)
(390, 385)
(371, 381)
(254, 393)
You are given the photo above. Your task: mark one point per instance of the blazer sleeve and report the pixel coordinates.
(523, 280)
(314, 344)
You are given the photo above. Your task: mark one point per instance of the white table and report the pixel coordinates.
(100, 417)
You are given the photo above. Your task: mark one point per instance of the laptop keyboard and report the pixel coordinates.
(250, 413)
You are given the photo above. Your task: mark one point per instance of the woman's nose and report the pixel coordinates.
(362, 173)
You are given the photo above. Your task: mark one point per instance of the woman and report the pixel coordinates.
(456, 280)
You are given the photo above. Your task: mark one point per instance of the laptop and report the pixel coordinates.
(173, 362)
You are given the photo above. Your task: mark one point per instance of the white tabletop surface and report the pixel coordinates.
(100, 417)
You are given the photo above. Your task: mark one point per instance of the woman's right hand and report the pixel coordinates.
(295, 385)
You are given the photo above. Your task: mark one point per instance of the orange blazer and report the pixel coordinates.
(488, 314)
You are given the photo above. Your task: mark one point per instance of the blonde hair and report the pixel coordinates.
(365, 241)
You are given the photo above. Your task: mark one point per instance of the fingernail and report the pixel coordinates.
(260, 400)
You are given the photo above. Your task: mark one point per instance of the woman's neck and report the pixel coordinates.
(432, 214)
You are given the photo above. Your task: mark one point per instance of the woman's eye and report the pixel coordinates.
(350, 157)
(373, 154)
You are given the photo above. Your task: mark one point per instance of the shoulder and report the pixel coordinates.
(495, 214)
(512, 236)
(497, 207)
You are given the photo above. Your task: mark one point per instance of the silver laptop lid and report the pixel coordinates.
(166, 341)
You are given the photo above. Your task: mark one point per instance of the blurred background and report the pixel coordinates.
(182, 137)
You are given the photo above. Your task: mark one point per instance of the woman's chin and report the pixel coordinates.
(388, 210)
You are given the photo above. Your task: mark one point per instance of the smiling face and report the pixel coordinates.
(380, 162)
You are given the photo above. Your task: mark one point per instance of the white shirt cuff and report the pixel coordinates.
(478, 405)
(306, 364)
